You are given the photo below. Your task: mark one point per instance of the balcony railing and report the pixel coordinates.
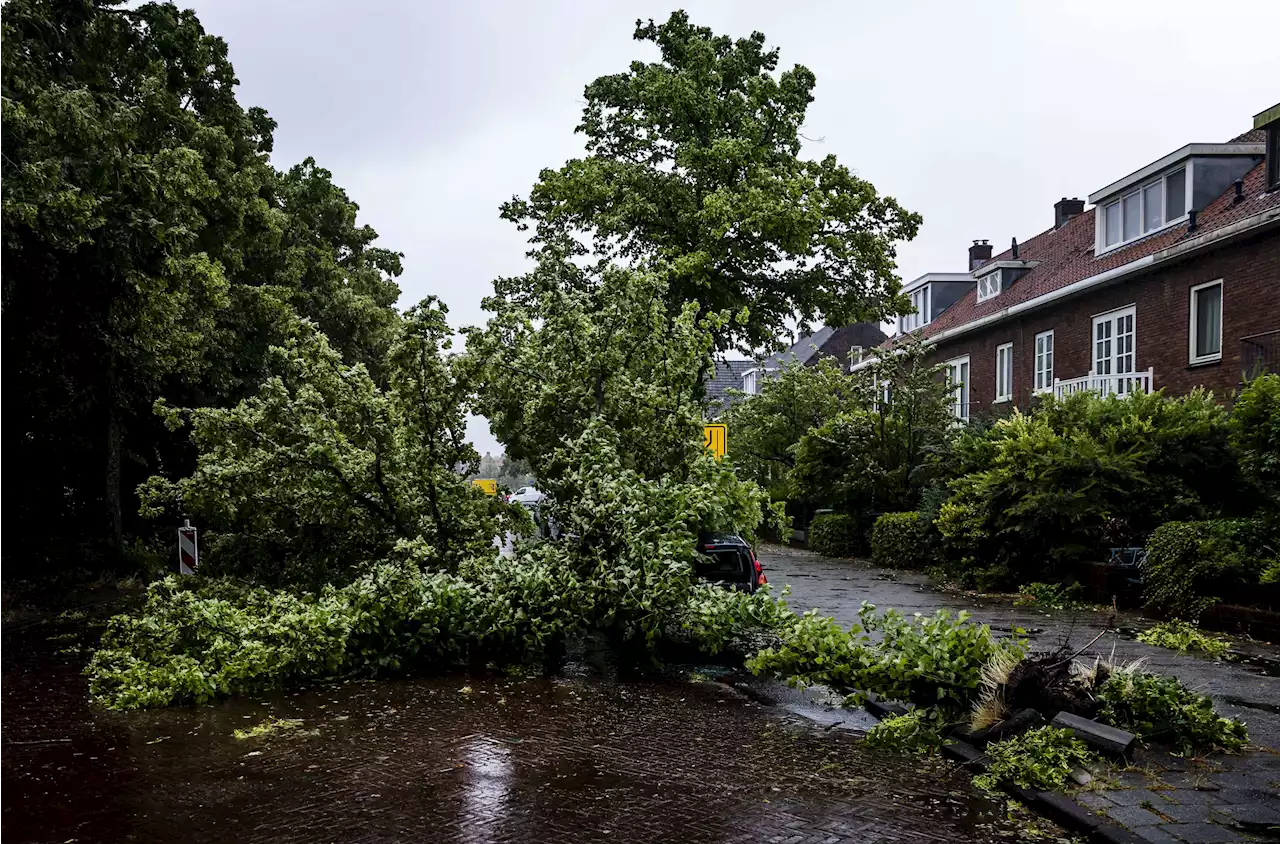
(1260, 353)
(1106, 385)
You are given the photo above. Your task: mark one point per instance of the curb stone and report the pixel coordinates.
(1053, 805)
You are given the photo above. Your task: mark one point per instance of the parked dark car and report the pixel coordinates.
(727, 560)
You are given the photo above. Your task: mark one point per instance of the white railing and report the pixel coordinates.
(1106, 385)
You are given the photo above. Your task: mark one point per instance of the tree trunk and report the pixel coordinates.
(115, 444)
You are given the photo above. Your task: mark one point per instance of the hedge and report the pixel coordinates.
(902, 541)
(836, 535)
(1190, 566)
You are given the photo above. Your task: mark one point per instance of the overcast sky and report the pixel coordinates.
(977, 115)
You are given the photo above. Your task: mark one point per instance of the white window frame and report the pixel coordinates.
(1004, 372)
(1042, 381)
(1114, 357)
(749, 381)
(1191, 323)
(960, 386)
(989, 285)
(1104, 209)
(920, 300)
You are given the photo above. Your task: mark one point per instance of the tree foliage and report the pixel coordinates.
(768, 425)
(150, 250)
(693, 167)
(877, 455)
(322, 472)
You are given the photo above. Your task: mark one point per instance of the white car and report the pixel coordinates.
(526, 496)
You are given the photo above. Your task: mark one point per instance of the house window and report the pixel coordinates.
(958, 378)
(1206, 322)
(1004, 372)
(920, 302)
(989, 286)
(1145, 209)
(1044, 361)
(1114, 348)
(1273, 155)
(749, 382)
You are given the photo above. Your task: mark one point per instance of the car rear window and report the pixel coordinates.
(722, 564)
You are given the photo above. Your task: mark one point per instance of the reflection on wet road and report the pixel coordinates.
(477, 759)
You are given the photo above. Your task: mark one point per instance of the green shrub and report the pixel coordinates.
(1042, 758)
(1052, 596)
(1190, 565)
(902, 541)
(932, 660)
(918, 731)
(1036, 495)
(1184, 637)
(1162, 709)
(836, 535)
(1255, 432)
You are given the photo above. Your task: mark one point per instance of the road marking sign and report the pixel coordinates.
(716, 438)
(489, 485)
(188, 549)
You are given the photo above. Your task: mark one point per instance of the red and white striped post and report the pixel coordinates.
(188, 548)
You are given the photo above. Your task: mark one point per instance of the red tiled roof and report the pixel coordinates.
(1065, 255)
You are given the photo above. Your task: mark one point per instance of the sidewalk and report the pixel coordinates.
(1220, 798)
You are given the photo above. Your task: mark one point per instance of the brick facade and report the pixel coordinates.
(1250, 271)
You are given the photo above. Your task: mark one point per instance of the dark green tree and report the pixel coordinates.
(149, 250)
(693, 167)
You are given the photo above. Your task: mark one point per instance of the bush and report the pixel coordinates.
(836, 535)
(902, 541)
(1161, 708)
(1037, 494)
(1051, 596)
(1191, 565)
(931, 661)
(1184, 637)
(918, 731)
(1042, 758)
(1255, 432)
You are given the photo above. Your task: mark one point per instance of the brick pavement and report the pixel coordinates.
(575, 759)
(1164, 798)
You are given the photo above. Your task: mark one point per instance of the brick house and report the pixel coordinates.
(1171, 280)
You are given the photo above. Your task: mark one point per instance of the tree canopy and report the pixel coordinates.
(693, 169)
(150, 249)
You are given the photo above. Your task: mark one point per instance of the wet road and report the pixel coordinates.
(576, 759)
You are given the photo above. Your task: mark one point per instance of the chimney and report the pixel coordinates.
(1064, 209)
(979, 254)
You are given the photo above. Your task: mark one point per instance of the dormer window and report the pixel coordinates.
(920, 302)
(749, 382)
(1145, 209)
(989, 285)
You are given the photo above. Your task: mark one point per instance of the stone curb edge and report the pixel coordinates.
(1053, 805)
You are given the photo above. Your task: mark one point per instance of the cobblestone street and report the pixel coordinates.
(576, 759)
(1165, 799)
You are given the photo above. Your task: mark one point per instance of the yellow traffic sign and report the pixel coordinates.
(489, 485)
(716, 438)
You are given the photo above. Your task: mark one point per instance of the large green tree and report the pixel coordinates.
(693, 167)
(149, 249)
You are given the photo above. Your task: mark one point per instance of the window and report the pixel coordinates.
(989, 285)
(1273, 155)
(919, 301)
(958, 378)
(1113, 346)
(1004, 372)
(1044, 362)
(749, 382)
(1206, 322)
(1146, 209)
